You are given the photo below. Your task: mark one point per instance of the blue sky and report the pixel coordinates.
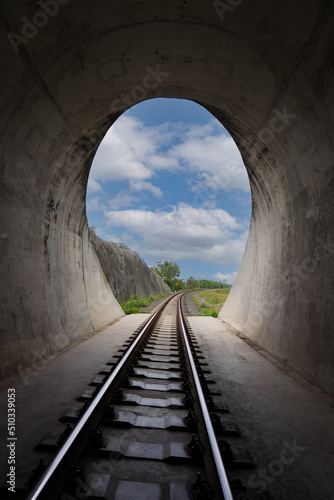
(169, 181)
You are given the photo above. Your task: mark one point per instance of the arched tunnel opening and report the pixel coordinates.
(264, 71)
(168, 182)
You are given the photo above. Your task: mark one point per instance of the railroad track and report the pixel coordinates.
(148, 427)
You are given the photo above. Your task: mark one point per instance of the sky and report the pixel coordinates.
(169, 182)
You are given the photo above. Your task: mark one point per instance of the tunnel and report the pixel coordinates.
(264, 70)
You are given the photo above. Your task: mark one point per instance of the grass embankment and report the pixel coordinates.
(212, 302)
(135, 303)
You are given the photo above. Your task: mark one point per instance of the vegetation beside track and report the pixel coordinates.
(209, 302)
(135, 303)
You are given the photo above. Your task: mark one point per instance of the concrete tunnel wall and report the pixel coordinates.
(264, 69)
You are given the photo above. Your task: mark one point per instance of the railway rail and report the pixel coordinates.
(150, 426)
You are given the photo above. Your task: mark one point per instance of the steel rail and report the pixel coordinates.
(40, 489)
(225, 486)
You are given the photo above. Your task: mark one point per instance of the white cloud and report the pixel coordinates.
(185, 233)
(122, 151)
(122, 199)
(136, 154)
(132, 151)
(93, 186)
(95, 204)
(164, 162)
(229, 277)
(217, 161)
(146, 186)
(193, 131)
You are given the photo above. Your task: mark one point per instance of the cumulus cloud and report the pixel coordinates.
(216, 159)
(93, 186)
(122, 152)
(146, 186)
(132, 151)
(205, 157)
(121, 200)
(185, 233)
(229, 277)
(95, 204)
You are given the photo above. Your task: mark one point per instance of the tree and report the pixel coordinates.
(168, 271)
(212, 284)
(192, 283)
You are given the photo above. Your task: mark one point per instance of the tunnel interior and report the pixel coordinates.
(264, 72)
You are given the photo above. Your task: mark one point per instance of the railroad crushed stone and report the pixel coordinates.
(190, 308)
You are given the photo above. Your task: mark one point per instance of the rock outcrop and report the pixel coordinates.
(126, 272)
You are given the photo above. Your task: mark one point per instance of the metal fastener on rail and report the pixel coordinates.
(225, 486)
(46, 487)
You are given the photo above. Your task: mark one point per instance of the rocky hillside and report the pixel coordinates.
(126, 272)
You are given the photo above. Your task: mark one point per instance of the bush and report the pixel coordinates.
(209, 311)
(142, 302)
(133, 305)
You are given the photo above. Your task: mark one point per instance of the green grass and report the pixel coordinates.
(135, 303)
(213, 301)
